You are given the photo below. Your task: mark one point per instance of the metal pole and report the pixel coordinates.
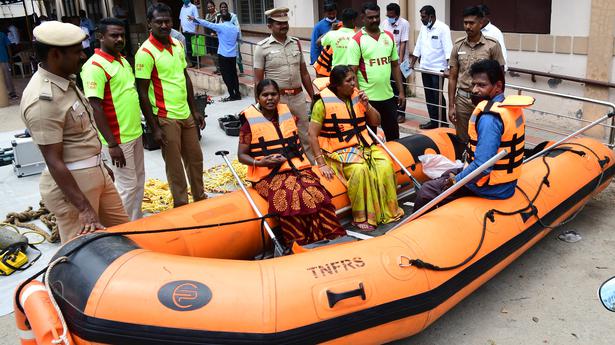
(441, 121)
(417, 185)
(278, 248)
(453, 188)
(571, 136)
(612, 132)
(4, 98)
(28, 29)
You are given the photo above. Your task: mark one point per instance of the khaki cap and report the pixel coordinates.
(279, 14)
(59, 34)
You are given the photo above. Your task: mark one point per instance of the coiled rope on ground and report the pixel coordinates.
(20, 219)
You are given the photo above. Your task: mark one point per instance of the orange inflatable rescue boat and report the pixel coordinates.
(207, 285)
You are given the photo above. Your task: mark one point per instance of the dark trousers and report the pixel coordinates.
(388, 117)
(400, 111)
(433, 97)
(188, 36)
(228, 70)
(432, 188)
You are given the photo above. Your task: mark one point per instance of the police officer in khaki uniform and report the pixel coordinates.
(76, 186)
(279, 57)
(466, 51)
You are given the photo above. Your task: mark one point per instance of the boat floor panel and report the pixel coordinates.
(405, 202)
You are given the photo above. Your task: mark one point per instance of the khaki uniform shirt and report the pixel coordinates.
(465, 53)
(281, 62)
(56, 111)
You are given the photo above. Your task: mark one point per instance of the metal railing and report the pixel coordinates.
(202, 46)
(533, 74)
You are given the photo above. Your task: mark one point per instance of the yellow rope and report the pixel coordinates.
(217, 179)
(157, 196)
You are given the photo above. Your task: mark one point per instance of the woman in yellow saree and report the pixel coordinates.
(339, 137)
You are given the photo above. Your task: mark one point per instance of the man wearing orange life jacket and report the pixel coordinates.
(496, 124)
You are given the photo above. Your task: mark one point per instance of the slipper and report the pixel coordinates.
(569, 236)
(365, 226)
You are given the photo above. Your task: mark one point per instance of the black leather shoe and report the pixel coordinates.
(428, 125)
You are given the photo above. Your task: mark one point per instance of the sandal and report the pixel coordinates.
(365, 226)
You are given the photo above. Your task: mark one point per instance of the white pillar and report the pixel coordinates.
(59, 9)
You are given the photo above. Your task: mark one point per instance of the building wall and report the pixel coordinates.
(570, 17)
(441, 7)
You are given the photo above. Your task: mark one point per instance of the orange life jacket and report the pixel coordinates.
(268, 139)
(510, 111)
(342, 128)
(324, 62)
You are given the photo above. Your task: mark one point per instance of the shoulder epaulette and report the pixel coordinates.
(460, 39)
(45, 92)
(263, 41)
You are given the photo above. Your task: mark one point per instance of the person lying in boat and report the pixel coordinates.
(497, 123)
(343, 147)
(280, 171)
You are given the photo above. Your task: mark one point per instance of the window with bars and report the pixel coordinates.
(252, 11)
(93, 10)
(70, 8)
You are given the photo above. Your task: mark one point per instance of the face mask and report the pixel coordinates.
(186, 2)
(392, 20)
(476, 99)
(330, 20)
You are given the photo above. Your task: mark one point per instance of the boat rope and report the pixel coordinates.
(19, 219)
(99, 235)
(529, 208)
(63, 338)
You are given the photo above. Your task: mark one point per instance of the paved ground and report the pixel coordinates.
(548, 296)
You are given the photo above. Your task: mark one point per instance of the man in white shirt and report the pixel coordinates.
(433, 47)
(188, 27)
(492, 31)
(400, 28)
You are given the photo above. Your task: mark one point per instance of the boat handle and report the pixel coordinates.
(336, 297)
(404, 265)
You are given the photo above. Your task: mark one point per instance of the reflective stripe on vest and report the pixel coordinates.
(510, 112)
(342, 128)
(324, 62)
(268, 139)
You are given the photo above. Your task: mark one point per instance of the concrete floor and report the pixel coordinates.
(547, 296)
